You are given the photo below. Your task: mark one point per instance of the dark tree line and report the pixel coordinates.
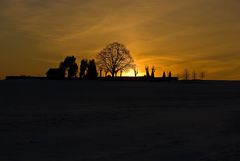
(114, 59)
(69, 67)
(88, 69)
(148, 72)
(193, 76)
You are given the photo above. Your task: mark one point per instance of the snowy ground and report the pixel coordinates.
(119, 121)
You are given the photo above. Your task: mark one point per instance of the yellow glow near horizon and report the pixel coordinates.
(172, 35)
(131, 74)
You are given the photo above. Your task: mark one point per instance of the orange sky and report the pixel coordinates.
(201, 35)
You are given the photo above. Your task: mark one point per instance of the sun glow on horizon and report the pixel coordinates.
(131, 73)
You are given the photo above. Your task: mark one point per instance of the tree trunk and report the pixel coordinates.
(113, 75)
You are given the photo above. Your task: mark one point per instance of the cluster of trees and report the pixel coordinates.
(186, 75)
(193, 75)
(113, 59)
(88, 69)
(69, 66)
(153, 70)
(148, 72)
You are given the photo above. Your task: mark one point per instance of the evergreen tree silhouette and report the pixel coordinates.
(70, 64)
(83, 68)
(170, 74)
(164, 75)
(92, 70)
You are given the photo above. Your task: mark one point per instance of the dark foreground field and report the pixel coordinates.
(119, 121)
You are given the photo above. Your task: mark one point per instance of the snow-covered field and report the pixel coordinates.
(44, 120)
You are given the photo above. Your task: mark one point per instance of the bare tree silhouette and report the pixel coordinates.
(202, 75)
(106, 72)
(186, 74)
(100, 72)
(114, 58)
(194, 75)
(135, 71)
(121, 73)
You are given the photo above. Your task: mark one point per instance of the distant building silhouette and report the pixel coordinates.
(55, 73)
